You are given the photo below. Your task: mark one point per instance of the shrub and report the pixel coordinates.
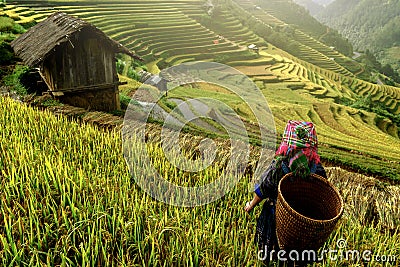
(6, 52)
(17, 29)
(120, 66)
(8, 25)
(51, 103)
(7, 30)
(14, 80)
(133, 74)
(125, 100)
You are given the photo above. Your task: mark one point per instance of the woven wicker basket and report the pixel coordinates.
(306, 212)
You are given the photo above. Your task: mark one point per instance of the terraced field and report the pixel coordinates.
(311, 50)
(155, 29)
(311, 85)
(348, 136)
(72, 201)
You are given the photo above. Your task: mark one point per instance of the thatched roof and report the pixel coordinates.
(38, 42)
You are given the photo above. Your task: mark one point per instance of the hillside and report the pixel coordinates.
(312, 6)
(70, 193)
(301, 77)
(368, 24)
(72, 201)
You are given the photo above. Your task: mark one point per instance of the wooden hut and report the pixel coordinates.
(75, 59)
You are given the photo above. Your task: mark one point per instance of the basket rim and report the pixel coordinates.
(323, 180)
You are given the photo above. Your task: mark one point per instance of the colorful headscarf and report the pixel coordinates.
(299, 136)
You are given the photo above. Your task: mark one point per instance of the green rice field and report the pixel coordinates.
(68, 198)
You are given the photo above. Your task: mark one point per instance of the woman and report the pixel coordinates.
(297, 153)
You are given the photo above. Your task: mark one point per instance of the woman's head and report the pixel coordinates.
(298, 139)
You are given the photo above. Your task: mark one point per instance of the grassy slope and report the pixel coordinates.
(72, 202)
(295, 88)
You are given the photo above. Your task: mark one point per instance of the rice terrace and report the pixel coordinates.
(71, 72)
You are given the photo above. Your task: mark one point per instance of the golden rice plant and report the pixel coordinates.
(68, 199)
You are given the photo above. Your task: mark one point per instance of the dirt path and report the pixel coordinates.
(323, 35)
